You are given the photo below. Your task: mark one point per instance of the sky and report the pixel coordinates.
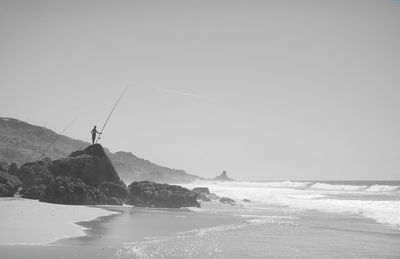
(267, 90)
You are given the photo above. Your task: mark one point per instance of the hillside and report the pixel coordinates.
(22, 142)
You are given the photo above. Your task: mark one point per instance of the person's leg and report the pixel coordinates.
(93, 139)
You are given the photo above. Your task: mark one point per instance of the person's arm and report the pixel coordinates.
(98, 132)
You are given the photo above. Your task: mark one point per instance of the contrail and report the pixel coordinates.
(201, 97)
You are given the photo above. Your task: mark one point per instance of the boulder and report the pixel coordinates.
(226, 200)
(36, 173)
(73, 191)
(150, 194)
(34, 192)
(91, 165)
(9, 184)
(116, 194)
(202, 190)
(204, 194)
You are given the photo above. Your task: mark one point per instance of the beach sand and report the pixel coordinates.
(98, 231)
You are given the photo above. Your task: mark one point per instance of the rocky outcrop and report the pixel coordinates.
(116, 194)
(201, 190)
(226, 200)
(80, 178)
(223, 177)
(91, 165)
(204, 194)
(36, 173)
(150, 194)
(34, 192)
(9, 184)
(73, 191)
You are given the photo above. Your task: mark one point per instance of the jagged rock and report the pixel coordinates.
(223, 177)
(35, 173)
(91, 165)
(227, 201)
(202, 193)
(73, 191)
(116, 194)
(213, 196)
(34, 192)
(9, 184)
(202, 190)
(150, 194)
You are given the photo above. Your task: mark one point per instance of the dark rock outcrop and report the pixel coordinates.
(201, 190)
(223, 177)
(116, 194)
(91, 165)
(34, 192)
(227, 201)
(204, 194)
(150, 194)
(36, 173)
(73, 191)
(9, 184)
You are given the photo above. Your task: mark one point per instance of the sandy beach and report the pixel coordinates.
(22, 221)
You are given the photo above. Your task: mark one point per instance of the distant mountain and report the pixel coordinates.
(21, 142)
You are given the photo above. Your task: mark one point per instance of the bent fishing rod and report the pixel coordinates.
(109, 115)
(54, 141)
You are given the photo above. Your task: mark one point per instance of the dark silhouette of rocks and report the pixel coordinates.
(34, 192)
(227, 201)
(116, 194)
(72, 191)
(89, 173)
(203, 194)
(150, 194)
(201, 190)
(91, 165)
(9, 184)
(223, 177)
(35, 173)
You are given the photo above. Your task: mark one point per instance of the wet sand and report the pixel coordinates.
(106, 235)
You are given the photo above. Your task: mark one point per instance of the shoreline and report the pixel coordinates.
(21, 217)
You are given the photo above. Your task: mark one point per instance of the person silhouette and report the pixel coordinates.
(94, 132)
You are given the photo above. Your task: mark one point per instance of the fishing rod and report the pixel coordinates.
(55, 139)
(109, 115)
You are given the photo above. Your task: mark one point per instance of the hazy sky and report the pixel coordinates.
(267, 90)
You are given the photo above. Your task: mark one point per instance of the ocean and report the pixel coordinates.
(287, 219)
